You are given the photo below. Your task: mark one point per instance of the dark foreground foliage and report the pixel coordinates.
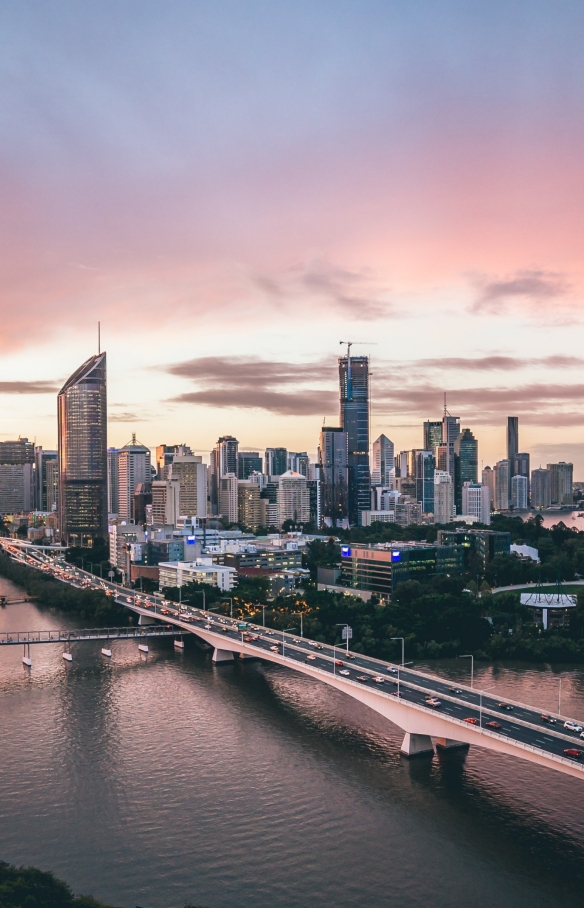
(26, 887)
(96, 609)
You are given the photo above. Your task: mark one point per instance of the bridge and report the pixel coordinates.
(432, 712)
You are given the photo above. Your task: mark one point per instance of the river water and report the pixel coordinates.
(159, 780)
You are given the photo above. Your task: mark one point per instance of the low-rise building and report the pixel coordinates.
(203, 570)
(380, 568)
(486, 543)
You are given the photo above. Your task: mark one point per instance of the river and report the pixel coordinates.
(159, 780)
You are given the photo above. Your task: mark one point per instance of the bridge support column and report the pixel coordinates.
(143, 620)
(451, 744)
(413, 745)
(222, 655)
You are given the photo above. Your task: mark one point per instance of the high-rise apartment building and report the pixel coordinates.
(519, 492)
(402, 464)
(228, 497)
(450, 433)
(502, 485)
(476, 502)
(424, 466)
(488, 479)
(249, 507)
(432, 434)
(82, 429)
(164, 455)
(276, 461)
(541, 488)
(191, 473)
(354, 406)
(512, 438)
(113, 480)
(165, 502)
(248, 462)
(334, 477)
(51, 491)
(223, 461)
(16, 476)
(293, 498)
(562, 486)
(299, 462)
(466, 460)
(133, 470)
(443, 497)
(383, 467)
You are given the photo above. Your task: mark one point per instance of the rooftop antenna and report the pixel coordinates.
(98, 338)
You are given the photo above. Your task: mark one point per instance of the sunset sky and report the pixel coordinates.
(234, 187)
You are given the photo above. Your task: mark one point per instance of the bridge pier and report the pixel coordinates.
(414, 745)
(222, 655)
(143, 620)
(451, 744)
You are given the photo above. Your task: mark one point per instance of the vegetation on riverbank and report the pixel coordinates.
(96, 609)
(27, 887)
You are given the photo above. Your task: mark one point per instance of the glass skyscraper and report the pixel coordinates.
(354, 400)
(82, 415)
(466, 461)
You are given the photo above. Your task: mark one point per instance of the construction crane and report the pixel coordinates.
(359, 343)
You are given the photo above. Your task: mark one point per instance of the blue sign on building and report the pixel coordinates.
(396, 556)
(346, 551)
(191, 540)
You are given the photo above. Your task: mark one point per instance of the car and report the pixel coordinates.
(270, 633)
(349, 656)
(362, 677)
(455, 690)
(344, 671)
(378, 679)
(505, 706)
(434, 702)
(310, 658)
(572, 726)
(572, 752)
(549, 719)
(471, 721)
(338, 662)
(317, 646)
(392, 670)
(208, 627)
(275, 649)
(493, 724)
(224, 630)
(246, 639)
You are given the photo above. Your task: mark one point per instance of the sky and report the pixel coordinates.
(232, 189)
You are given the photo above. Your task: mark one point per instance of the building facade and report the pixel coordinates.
(191, 473)
(519, 492)
(466, 461)
(476, 502)
(82, 432)
(133, 470)
(443, 497)
(562, 485)
(383, 466)
(354, 418)
(541, 488)
(334, 475)
(502, 485)
(293, 498)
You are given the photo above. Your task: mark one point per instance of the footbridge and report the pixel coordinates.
(432, 712)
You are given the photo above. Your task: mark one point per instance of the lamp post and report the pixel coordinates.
(346, 632)
(403, 643)
(230, 600)
(403, 665)
(481, 692)
(560, 700)
(471, 667)
(284, 639)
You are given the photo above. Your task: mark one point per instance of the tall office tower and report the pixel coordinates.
(133, 468)
(512, 439)
(293, 498)
(519, 492)
(334, 475)
(432, 435)
(521, 465)
(476, 502)
(382, 472)
(222, 462)
(16, 476)
(51, 502)
(228, 497)
(249, 510)
(450, 433)
(248, 462)
(164, 455)
(354, 401)
(502, 485)
(443, 497)
(113, 480)
(299, 462)
(315, 500)
(442, 456)
(165, 502)
(276, 461)
(191, 473)
(424, 467)
(402, 464)
(82, 426)
(562, 486)
(41, 461)
(466, 461)
(541, 488)
(488, 479)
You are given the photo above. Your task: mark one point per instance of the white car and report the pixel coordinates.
(572, 726)
(378, 679)
(434, 702)
(344, 671)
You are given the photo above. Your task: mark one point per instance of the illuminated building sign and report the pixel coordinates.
(346, 551)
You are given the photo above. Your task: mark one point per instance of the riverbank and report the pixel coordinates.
(93, 606)
(27, 887)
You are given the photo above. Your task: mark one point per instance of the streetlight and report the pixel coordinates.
(346, 633)
(301, 625)
(229, 599)
(283, 638)
(471, 667)
(403, 643)
(481, 692)
(403, 665)
(560, 700)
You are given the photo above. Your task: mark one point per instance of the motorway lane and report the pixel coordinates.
(550, 738)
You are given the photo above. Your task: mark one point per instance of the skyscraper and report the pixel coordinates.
(424, 465)
(41, 493)
(191, 473)
(82, 427)
(502, 485)
(512, 438)
(541, 488)
(248, 462)
(432, 434)
(334, 476)
(276, 461)
(354, 417)
(133, 469)
(476, 501)
(450, 432)
(561, 475)
(222, 462)
(299, 462)
(16, 476)
(113, 480)
(382, 472)
(466, 456)
(443, 497)
(519, 492)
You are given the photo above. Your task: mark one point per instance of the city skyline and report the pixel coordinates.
(393, 190)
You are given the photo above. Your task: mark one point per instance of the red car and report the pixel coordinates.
(492, 725)
(572, 752)
(338, 662)
(472, 721)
